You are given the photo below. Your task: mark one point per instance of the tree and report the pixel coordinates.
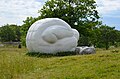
(108, 35)
(16, 30)
(10, 33)
(118, 40)
(80, 14)
(24, 28)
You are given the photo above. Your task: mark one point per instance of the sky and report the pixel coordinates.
(15, 11)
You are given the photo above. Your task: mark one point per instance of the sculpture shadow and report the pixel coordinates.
(47, 55)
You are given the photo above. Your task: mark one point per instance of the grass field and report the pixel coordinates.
(15, 64)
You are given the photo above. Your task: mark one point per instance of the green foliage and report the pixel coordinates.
(23, 40)
(108, 35)
(14, 64)
(24, 28)
(10, 33)
(80, 14)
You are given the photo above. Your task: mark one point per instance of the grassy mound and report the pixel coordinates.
(15, 64)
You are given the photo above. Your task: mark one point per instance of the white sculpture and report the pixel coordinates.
(51, 35)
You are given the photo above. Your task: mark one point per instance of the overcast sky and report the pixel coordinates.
(15, 11)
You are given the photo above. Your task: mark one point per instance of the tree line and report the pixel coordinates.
(79, 14)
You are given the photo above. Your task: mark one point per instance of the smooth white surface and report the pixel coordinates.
(51, 35)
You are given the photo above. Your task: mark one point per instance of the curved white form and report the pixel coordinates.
(51, 35)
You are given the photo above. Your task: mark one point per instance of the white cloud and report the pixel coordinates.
(15, 11)
(108, 6)
(109, 10)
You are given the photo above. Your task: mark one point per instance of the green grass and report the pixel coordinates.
(15, 64)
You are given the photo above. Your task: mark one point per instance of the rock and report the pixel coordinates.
(51, 35)
(78, 49)
(1, 45)
(85, 50)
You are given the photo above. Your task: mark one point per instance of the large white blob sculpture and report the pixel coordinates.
(51, 35)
